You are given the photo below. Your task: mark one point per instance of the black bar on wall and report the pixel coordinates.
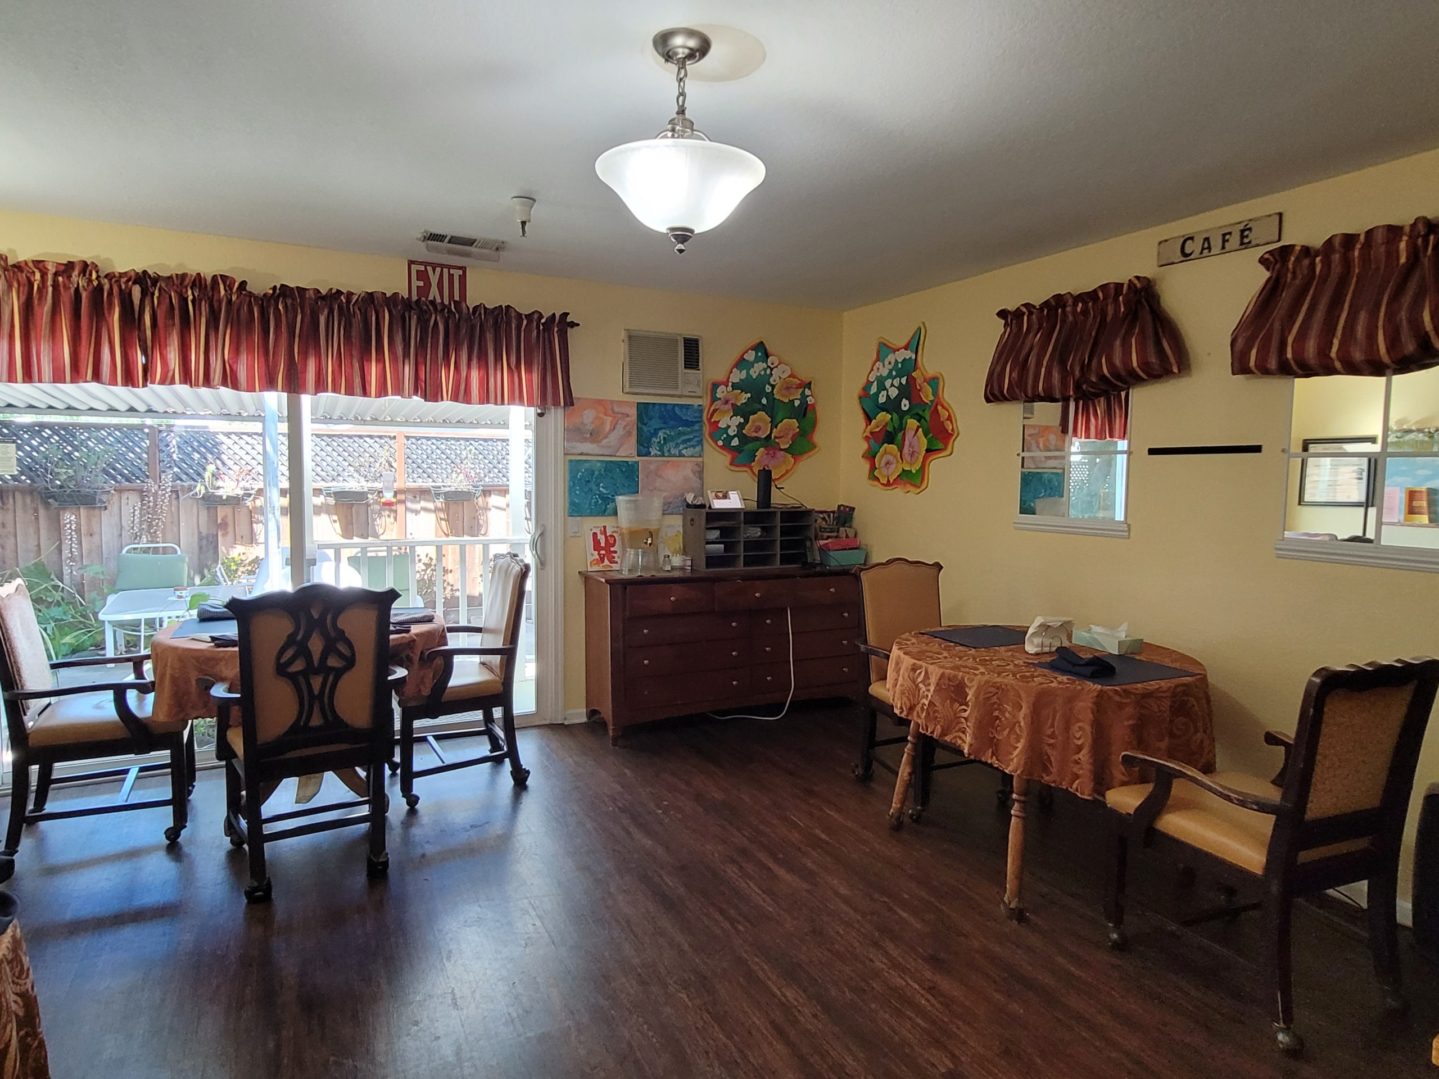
(1189, 451)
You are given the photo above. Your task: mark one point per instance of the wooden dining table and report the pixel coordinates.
(185, 668)
(999, 705)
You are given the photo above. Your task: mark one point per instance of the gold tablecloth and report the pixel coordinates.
(22, 1042)
(997, 706)
(185, 669)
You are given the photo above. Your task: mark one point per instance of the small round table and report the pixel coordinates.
(999, 706)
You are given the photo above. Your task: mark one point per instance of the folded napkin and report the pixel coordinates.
(418, 618)
(213, 612)
(1068, 661)
(224, 640)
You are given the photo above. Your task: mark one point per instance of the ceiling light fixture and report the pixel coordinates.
(679, 182)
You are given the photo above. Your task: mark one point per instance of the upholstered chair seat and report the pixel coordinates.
(880, 692)
(472, 678)
(90, 717)
(1207, 822)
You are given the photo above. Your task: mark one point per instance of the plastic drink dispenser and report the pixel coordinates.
(639, 533)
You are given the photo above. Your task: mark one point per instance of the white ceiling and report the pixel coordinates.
(907, 143)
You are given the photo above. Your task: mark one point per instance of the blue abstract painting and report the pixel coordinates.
(1035, 485)
(670, 430)
(593, 486)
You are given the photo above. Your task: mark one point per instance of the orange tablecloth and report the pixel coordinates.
(185, 669)
(997, 706)
(22, 1042)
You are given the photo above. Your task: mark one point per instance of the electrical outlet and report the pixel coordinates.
(574, 526)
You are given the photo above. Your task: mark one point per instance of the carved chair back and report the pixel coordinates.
(313, 668)
(899, 596)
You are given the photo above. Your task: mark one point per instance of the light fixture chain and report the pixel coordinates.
(681, 77)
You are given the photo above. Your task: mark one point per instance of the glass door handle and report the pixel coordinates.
(536, 549)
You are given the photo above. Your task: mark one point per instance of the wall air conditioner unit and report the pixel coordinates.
(478, 248)
(662, 364)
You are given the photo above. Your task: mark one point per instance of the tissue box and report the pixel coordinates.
(1108, 642)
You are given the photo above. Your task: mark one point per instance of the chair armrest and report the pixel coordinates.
(1166, 772)
(137, 661)
(443, 650)
(1286, 742)
(464, 629)
(126, 685)
(223, 695)
(876, 653)
(396, 677)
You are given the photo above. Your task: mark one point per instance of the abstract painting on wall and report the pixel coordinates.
(598, 428)
(593, 486)
(672, 480)
(1046, 439)
(1041, 493)
(907, 422)
(670, 430)
(762, 414)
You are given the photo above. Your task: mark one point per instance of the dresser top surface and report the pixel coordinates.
(753, 573)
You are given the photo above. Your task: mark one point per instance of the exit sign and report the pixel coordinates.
(438, 281)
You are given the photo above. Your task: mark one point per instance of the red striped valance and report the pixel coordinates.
(1086, 347)
(70, 322)
(1362, 303)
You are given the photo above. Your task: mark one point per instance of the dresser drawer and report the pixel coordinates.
(808, 674)
(658, 599)
(686, 658)
(752, 595)
(696, 688)
(819, 591)
(816, 645)
(829, 616)
(682, 628)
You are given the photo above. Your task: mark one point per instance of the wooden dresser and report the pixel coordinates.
(681, 643)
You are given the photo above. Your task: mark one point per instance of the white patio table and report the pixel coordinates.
(158, 605)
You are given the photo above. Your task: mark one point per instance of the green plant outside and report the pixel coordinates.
(70, 622)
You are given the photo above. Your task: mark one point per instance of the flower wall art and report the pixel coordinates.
(762, 415)
(908, 424)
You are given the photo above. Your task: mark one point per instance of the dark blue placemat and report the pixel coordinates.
(1127, 671)
(193, 627)
(979, 636)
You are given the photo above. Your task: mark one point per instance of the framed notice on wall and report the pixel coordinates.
(1337, 481)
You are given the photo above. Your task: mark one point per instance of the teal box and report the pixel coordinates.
(855, 556)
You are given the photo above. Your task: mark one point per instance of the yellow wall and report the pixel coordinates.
(1198, 571)
(808, 339)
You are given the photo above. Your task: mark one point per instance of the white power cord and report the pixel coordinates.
(789, 627)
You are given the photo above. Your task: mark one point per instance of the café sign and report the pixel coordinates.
(1240, 236)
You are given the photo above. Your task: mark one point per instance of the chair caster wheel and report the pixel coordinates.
(915, 814)
(412, 800)
(258, 893)
(896, 821)
(1289, 1042)
(172, 833)
(375, 868)
(1118, 939)
(862, 773)
(393, 766)
(519, 776)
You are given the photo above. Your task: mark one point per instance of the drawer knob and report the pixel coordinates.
(646, 663)
(673, 598)
(734, 651)
(757, 595)
(734, 625)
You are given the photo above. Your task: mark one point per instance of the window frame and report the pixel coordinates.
(1114, 528)
(1376, 553)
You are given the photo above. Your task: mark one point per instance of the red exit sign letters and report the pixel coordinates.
(438, 281)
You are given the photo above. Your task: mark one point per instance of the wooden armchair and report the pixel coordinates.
(50, 725)
(316, 694)
(898, 597)
(474, 678)
(1334, 814)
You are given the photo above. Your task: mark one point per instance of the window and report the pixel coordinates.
(1069, 484)
(1364, 471)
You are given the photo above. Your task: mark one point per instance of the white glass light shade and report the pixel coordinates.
(689, 184)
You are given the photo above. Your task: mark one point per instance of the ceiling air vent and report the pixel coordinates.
(479, 248)
(662, 364)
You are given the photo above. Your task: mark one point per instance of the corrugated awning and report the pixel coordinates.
(89, 399)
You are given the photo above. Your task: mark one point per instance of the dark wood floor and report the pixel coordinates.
(719, 898)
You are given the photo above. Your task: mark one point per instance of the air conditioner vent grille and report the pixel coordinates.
(662, 364)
